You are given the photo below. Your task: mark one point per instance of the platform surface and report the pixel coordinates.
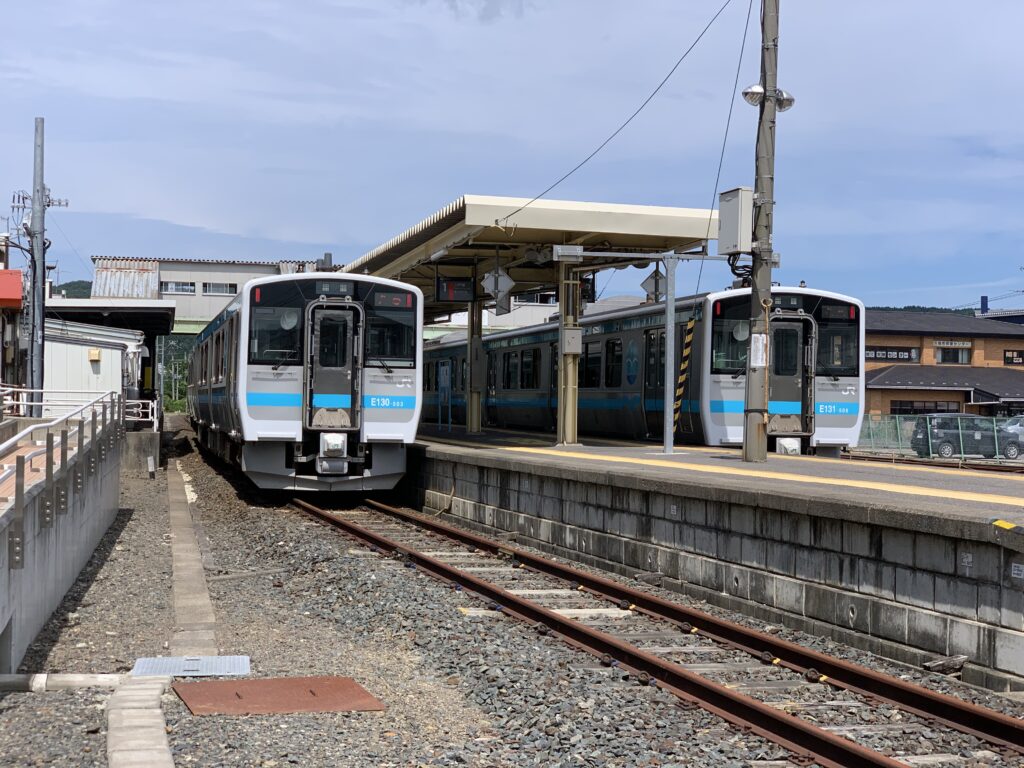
(945, 492)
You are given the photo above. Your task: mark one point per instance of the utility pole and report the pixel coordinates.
(38, 245)
(755, 425)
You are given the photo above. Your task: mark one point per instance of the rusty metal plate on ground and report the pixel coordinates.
(274, 696)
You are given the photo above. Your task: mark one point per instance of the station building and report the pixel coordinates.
(934, 362)
(199, 288)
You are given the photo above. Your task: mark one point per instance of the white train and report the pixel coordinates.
(816, 371)
(310, 381)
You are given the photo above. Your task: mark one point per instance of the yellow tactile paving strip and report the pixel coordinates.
(944, 494)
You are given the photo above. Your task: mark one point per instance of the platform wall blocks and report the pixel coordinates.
(907, 594)
(54, 555)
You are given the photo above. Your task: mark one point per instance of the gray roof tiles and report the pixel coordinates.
(894, 321)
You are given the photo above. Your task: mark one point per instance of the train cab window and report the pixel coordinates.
(613, 363)
(590, 365)
(729, 340)
(510, 380)
(492, 373)
(838, 338)
(275, 335)
(530, 371)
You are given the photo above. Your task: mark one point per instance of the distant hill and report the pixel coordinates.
(75, 289)
(918, 308)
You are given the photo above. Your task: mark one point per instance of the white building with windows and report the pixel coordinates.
(200, 288)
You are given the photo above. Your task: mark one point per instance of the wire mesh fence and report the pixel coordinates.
(946, 436)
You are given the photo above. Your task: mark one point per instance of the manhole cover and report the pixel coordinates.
(276, 696)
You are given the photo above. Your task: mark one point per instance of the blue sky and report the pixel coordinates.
(266, 129)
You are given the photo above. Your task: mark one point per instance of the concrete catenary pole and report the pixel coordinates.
(755, 426)
(37, 232)
(668, 423)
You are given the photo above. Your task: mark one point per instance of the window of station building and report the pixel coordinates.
(1013, 357)
(510, 364)
(945, 356)
(529, 374)
(913, 407)
(590, 365)
(219, 289)
(613, 363)
(893, 354)
(177, 286)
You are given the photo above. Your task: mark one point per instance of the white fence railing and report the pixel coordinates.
(145, 412)
(81, 430)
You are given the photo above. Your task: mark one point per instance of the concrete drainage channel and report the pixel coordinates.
(416, 541)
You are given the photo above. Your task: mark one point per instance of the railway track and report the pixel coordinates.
(811, 704)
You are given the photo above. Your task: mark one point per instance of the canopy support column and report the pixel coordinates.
(477, 367)
(570, 346)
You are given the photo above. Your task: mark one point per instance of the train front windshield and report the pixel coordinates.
(278, 318)
(837, 324)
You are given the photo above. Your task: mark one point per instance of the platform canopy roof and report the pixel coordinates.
(476, 233)
(154, 317)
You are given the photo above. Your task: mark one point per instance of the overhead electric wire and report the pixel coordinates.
(725, 141)
(504, 220)
(89, 270)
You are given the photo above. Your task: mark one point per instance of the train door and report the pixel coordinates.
(553, 387)
(490, 398)
(332, 386)
(791, 377)
(654, 381)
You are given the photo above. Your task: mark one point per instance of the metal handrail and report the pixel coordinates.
(97, 401)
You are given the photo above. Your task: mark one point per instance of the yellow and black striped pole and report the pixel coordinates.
(684, 371)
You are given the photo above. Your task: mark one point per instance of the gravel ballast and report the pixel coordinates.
(118, 609)
(300, 599)
(459, 690)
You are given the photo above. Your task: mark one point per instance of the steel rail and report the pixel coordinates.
(808, 742)
(991, 726)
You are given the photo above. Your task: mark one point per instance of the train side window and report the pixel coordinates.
(462, 374)
(590, 369)
(218, 357)
(492, 373)
(510, 380)
(530, 371)
(613, 363)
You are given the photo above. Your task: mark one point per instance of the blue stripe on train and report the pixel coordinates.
(274, 399)
(332, 401)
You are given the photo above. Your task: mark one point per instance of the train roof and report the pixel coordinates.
(653, 308)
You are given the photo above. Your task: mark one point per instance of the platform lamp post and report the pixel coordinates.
(767, 96)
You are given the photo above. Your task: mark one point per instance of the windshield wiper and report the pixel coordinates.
(739, 372)
(279, 363)
(383, 363)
